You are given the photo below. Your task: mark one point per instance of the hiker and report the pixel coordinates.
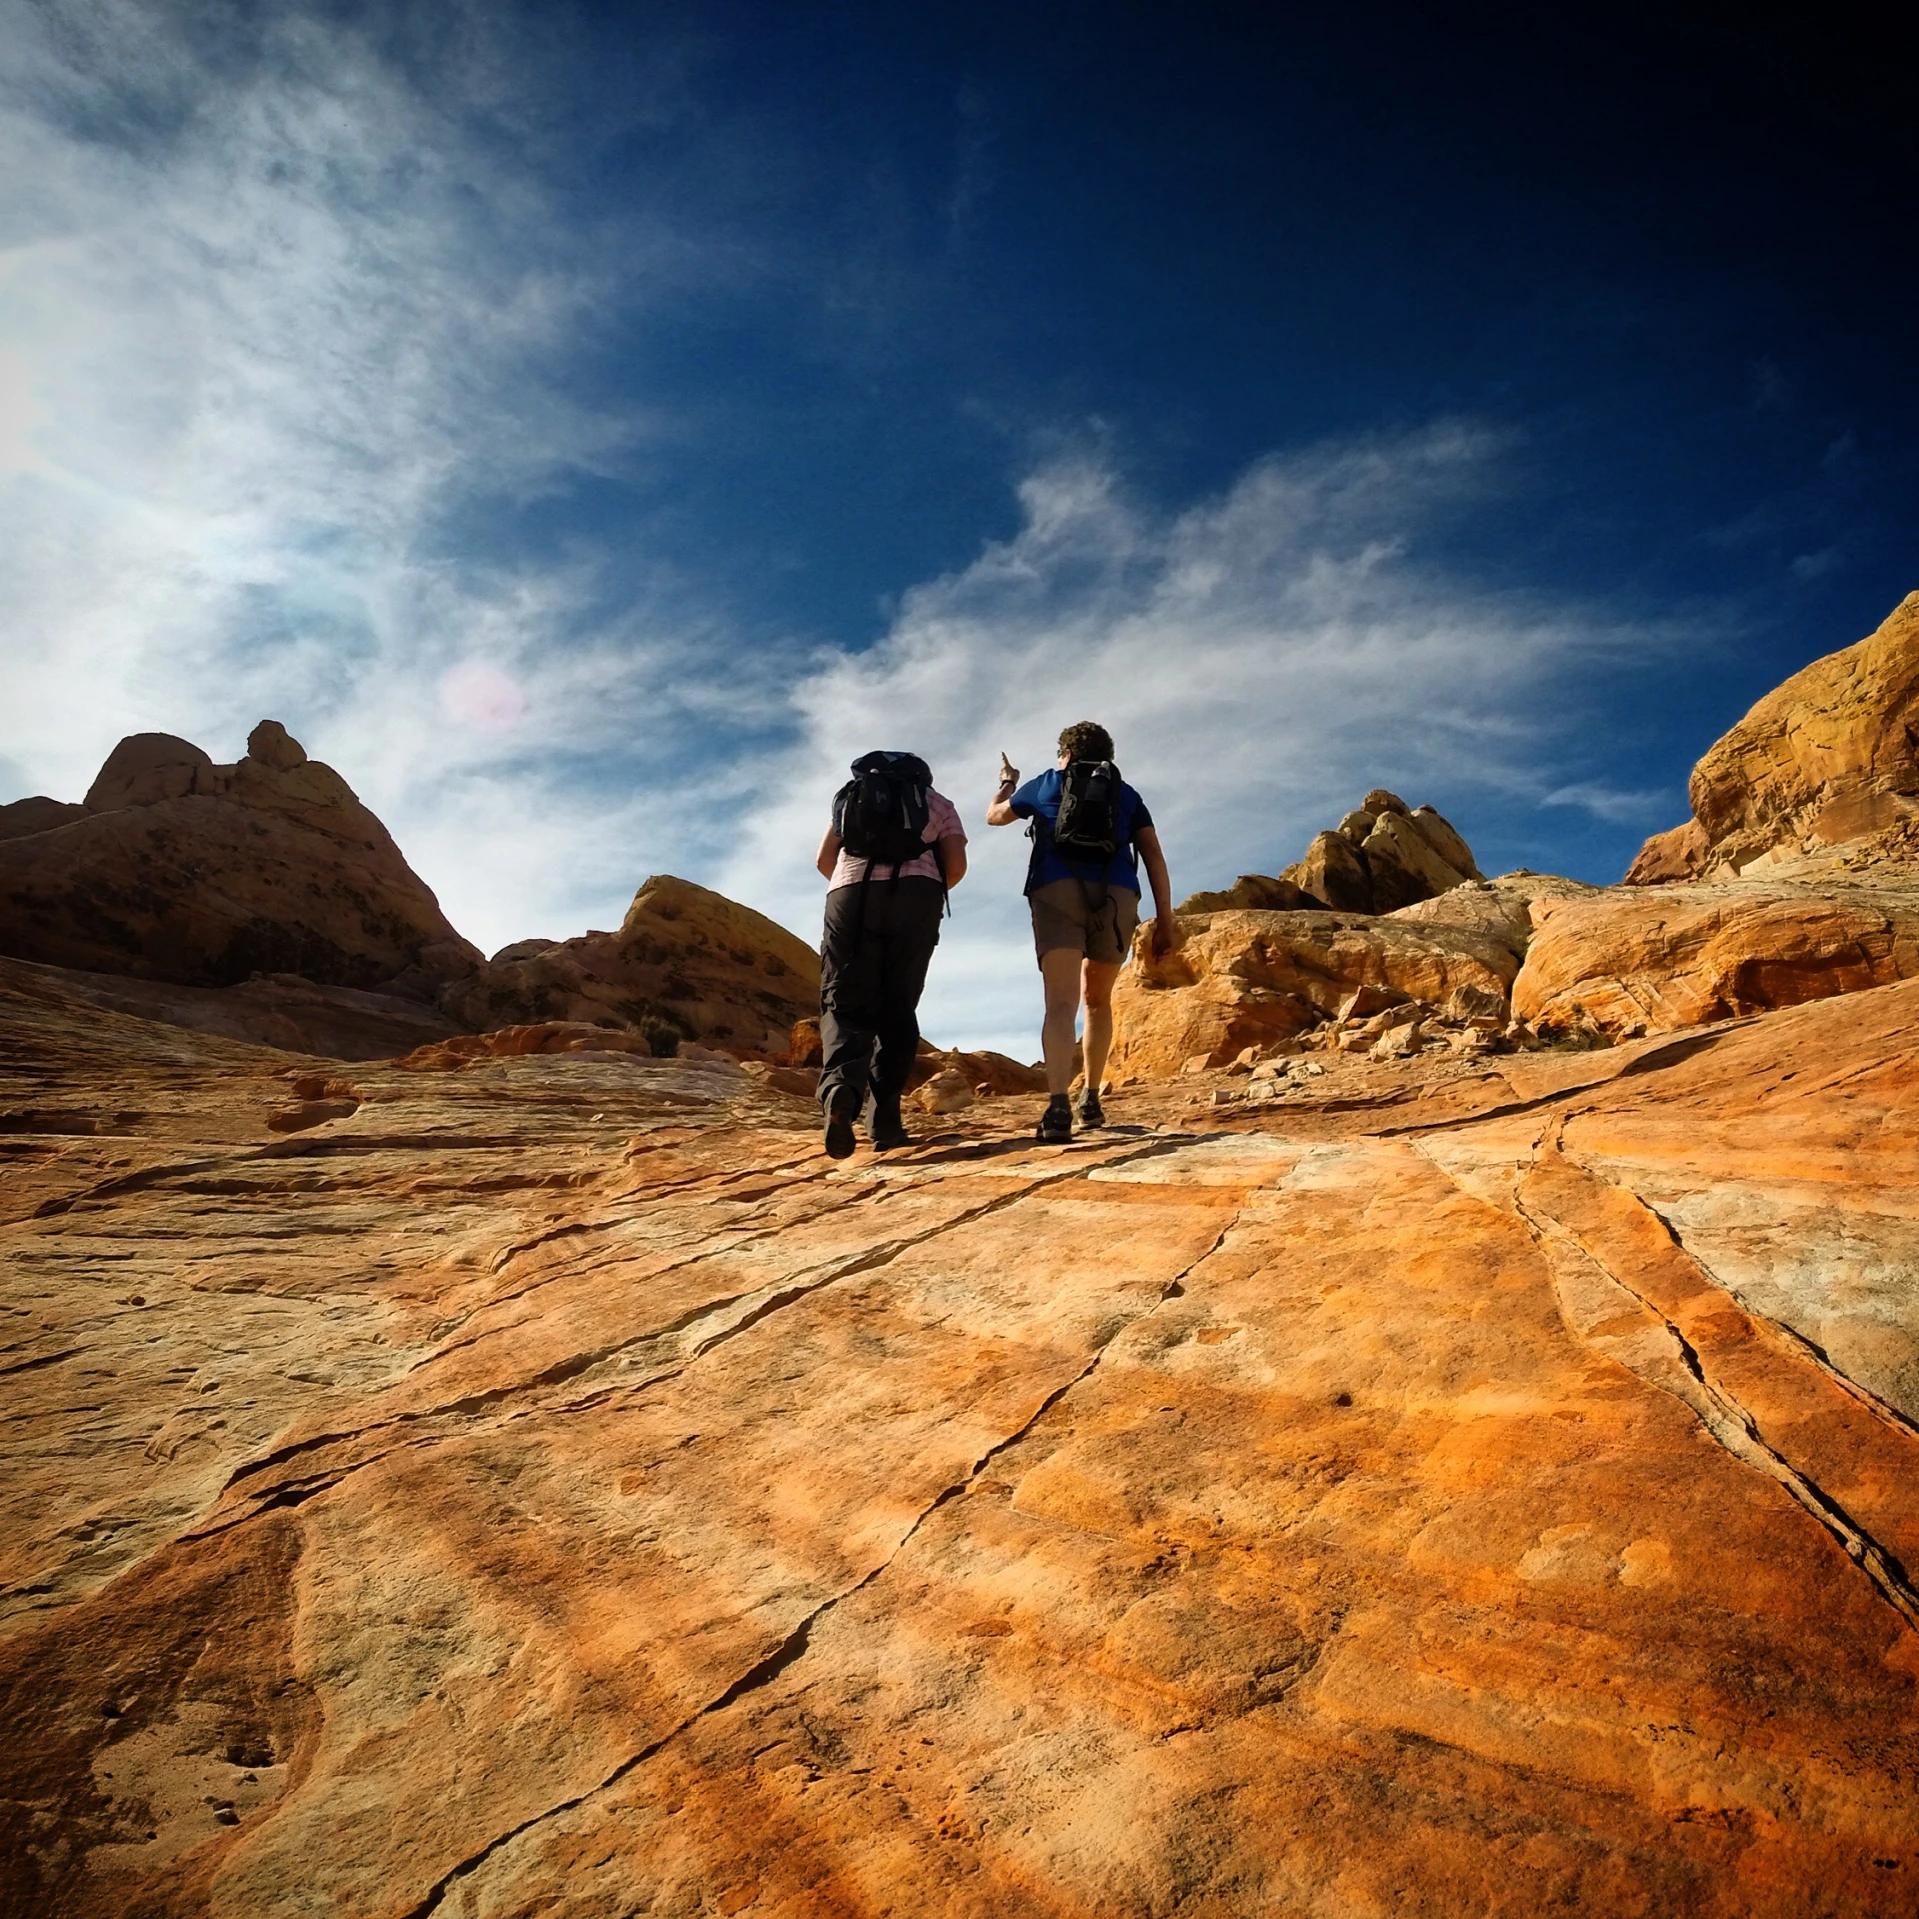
(1082, 884)
(884, 901)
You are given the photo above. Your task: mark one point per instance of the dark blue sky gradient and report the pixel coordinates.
(1669, 250)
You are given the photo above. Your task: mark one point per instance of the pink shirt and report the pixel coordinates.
(943, 822)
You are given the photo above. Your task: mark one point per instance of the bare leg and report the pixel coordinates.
(1060, 970)
(1098, 985)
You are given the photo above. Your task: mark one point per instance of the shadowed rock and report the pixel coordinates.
(201, 875)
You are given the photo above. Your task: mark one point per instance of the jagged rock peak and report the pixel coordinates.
(1382, 856)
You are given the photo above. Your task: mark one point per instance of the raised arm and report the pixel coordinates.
(1165, 926)
(998, 812)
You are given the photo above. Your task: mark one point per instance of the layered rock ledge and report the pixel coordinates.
(552, 1487)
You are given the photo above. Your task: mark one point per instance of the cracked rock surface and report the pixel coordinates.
(556, 1488)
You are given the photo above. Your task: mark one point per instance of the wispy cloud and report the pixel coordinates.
(282, 329)
(1621, 806)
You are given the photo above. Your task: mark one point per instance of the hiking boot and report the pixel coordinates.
(1056, 1123)
(1090, 1111)
(884, 1126)
(840, 1111)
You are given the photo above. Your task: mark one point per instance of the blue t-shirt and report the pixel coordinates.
(1038, 801)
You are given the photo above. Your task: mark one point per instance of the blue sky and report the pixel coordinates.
(588, 427)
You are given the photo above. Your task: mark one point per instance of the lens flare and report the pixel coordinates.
(480, 695)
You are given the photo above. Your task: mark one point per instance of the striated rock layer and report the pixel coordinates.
(1828, 756)
(552, 1487)
(1626, 963)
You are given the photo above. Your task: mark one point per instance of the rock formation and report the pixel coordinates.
(263, 901)
(1251, 979)
(686, 964)
(179, 870)
(1629, 964)
(1829, 756)
(1444, 1485)
(1383, 855)
(1797, 879)
(275, 1009)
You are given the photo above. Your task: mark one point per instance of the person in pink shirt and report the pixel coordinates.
(884, 902)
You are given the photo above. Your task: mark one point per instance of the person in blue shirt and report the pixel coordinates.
(1084, 919)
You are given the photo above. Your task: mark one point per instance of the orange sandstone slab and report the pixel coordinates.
(1452, 1492)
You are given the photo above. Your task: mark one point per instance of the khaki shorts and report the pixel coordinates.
(1098, 921)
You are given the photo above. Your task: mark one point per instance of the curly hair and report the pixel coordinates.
(1086, 740)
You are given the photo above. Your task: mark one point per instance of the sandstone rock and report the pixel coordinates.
(993, 1072)
(1399, 1042)
(36, 815)
(516, 1042)
(802, 1081)
(200, 875)
(1680, 853)
(583, 1496)
(1334, 872)
(305, 1085)
(1402, 867)
(1440, 835)
(306, 1113)
(1471, 1002)
(523, 949)
(803, 1047)
(1364, 1001)
(1382, 856)
(1632, 963)
(271, 745)
(1828, 756)
(146, 767)
(1255, 890)
(686, 963)
(1500, 909)
(948, 1091)
(1245, 979)
(276, 1009)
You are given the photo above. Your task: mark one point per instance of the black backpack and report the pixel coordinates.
(1087, 829)
(881, 813)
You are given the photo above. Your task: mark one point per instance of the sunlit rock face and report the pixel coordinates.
(1271, 958)
(1797, 878)
(178, 870)
(550, 1485)
(1828, 757)
(1382, 856)
(1243, 979)
(1630, 963)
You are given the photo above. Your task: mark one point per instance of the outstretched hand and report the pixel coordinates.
(1008, 772)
